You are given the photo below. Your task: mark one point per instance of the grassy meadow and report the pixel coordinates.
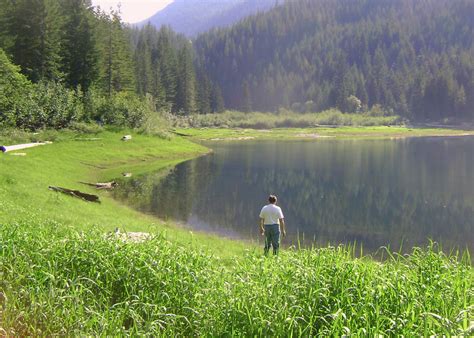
(62, 271)
(75, 158)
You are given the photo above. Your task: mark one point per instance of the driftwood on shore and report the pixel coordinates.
(76, 193)
(180, 134)
(22, 146)
(105, 186)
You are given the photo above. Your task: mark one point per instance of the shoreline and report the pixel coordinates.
(353, 133)
(24, 194)
(151, 158)
(153, 154)
(67, 271)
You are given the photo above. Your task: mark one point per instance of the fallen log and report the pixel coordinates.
(108, 185)
(22, 146)
(180, 134)
(76, 193)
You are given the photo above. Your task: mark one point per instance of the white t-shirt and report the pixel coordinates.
(271, 214)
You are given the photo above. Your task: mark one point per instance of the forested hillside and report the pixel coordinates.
(413, 57)
(191, 17)
(65, 62)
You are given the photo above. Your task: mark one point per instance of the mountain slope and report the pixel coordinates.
(192, 17)
(413, 57)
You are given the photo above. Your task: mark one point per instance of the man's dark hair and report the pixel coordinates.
(272, 199)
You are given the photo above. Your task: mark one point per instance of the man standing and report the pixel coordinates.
(271, 218)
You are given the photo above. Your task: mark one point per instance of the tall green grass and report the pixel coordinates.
(58, 281)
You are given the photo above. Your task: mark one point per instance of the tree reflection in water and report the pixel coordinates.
(379, 192)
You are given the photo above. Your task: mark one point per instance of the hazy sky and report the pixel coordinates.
(133, 10)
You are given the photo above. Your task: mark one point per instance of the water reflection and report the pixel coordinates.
(373, 192)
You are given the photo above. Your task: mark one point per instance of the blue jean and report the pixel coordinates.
(272, 238)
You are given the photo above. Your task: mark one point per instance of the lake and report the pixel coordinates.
(398, 193)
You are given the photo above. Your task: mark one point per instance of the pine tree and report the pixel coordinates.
(116, 64)
(143, 63)
(6, 16)
(168, 65)
(186, 91)
(246, 98)
(203, 94)
(217, 101)
(79, 50)
(36, 28)
(158, 90)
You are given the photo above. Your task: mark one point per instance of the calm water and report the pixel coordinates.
(376, 193)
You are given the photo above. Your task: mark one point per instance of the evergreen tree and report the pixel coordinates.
(144, 68)
(6, 16)
(35, 30)
(116, 64)
(79, 48)
(204, 94)
(217, 101)
(186, 91)
(246, 98)
(168, 63)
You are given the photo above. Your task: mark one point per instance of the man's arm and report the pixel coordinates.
(262, 229)
(283, 226)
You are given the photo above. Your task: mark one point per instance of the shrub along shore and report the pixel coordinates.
(63, 272)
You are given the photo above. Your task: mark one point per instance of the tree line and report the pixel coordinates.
(165, 68)
(65, 61)
(413, 58)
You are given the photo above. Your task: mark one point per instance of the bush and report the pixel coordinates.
(377, 110)
(121, 109)
(85, 128)
(156, 124)
(35, 106)
(15, 91)
(12, 136)
(54, 106)
(51, 105)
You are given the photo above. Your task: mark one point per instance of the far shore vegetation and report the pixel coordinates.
(288, 119)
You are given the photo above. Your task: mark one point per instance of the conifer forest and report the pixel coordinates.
(65, 61)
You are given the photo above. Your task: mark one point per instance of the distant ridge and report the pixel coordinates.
(192, 17)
